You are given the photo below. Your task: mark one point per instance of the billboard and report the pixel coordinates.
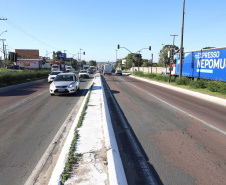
(27, 54)
(31, 64)
(209, 64)
(61, 55)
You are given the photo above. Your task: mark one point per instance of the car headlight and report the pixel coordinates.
(52, 85)
(71, 85)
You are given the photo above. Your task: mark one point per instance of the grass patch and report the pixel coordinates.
(73, 158)
(214, 88)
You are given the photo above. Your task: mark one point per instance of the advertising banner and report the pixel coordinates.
(61, 55)
(209, 64)
(27, 54)
(29, 64)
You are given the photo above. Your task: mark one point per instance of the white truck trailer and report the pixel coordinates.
(107, 69)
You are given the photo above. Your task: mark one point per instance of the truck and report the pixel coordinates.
(93, 68)
(107, 69)
(55, 67)
(207, 63)
(85, 67)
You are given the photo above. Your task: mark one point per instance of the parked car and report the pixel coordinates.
(65, 83)
(83, 74)
(118, 72)
(53, 74)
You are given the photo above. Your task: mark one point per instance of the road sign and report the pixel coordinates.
(171, 61)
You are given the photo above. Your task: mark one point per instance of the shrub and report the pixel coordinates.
(222, 87)
(139, 73)
(158, 77)
(213, 86)
(199, 84)
(151, 75)
(173, 79)
(182, 81)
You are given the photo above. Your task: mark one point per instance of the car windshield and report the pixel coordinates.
(64, 78)
(55, 73)
(83, 71)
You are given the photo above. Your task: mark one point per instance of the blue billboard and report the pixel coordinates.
(209, 64)
(61, 55)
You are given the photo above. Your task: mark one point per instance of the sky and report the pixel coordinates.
(97, 26)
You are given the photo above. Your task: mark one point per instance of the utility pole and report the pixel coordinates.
(3, 47)
(172, 56)
(80, 55)
(64, 60)
(181, 46)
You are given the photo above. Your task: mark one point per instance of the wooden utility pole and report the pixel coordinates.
(181, 46)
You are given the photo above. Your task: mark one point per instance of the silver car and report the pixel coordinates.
(65, 83)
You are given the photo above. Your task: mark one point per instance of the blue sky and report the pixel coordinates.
(97, 26)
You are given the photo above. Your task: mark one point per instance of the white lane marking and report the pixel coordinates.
(205, 123)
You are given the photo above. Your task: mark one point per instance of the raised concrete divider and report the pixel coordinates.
(115, 169)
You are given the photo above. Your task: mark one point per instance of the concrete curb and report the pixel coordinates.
(206, 97)
(115, 167)
(59, 168)
(22, 85)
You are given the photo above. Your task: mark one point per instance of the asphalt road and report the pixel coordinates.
(169, 128)
(29, 120)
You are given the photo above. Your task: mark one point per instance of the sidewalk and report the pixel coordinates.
(100, 162)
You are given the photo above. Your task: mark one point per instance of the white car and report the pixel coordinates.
(65, 83)
(53, 74)
(83, 74)
(69, 68)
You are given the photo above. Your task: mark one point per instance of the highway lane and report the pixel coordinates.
(29, 120)
(179, 148)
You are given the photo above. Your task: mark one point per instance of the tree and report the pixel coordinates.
(145, 64)
(163, 55)
(133, 58)
(92, 63)
(55, 55)
(83, 62)
(74, 63)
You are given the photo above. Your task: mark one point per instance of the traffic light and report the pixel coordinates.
(118, 46)
(150, 48)
(84, 53)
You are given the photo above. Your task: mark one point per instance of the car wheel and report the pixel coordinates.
(52, 94)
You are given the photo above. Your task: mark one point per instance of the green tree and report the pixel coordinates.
(74, 63)
(133, 58)
(92, 63)
(145, 64)
(55, 55)
(163, 55)
(83, 62)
